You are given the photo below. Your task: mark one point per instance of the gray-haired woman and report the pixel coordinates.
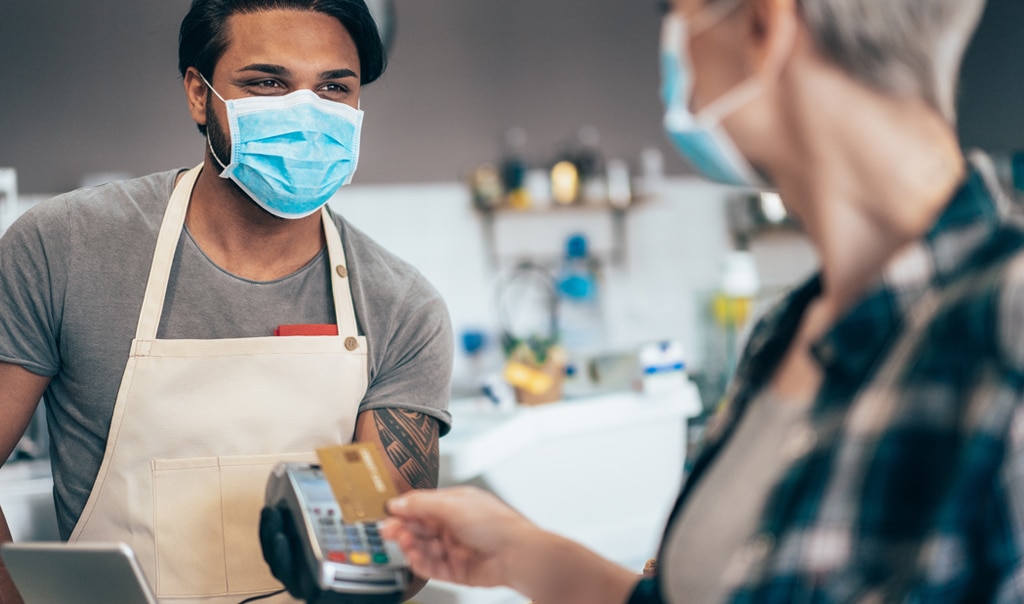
(873, 445)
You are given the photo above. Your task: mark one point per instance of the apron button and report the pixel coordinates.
(342, 271)
(351, 343)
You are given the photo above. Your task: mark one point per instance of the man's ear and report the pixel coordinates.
(196, 93)
(772, 28)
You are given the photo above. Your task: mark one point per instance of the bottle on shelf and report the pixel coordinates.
(590, 166)
(581, 316)
(488, 190)
(565, 183)
(514, 169)
(620, 188)
(733, 304)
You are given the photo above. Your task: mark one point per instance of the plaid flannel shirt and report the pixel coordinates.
(908, 485)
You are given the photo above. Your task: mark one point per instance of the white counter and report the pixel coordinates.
(603, 471)
(26, 496)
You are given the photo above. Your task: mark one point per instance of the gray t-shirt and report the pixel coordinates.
(73, 272)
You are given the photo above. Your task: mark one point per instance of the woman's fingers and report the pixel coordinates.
(420, 543)
(455, 534)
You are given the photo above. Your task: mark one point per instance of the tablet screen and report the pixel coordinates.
(83, 573)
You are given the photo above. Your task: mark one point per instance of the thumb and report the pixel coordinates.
(440, 505)
(399, 506)
(425, 514)
(417, 504)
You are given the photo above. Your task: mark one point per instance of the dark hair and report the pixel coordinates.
(203, 38)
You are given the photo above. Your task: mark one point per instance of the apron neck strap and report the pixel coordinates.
(344, 309)
(167, 243)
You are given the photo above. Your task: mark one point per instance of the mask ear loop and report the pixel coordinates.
(679, 30)
(212, 89)
(709, 17)
(209, 143)
(747, 91)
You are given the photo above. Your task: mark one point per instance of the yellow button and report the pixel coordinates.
(351, 344)
(359, 558)
(342, 271)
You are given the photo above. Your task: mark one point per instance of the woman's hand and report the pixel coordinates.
(468, 536)
(461, 534)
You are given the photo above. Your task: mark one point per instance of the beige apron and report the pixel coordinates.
(197, 426)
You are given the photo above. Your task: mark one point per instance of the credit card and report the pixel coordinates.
(359, 480)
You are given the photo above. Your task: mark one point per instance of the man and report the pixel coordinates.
(871, 449)
(145, 312)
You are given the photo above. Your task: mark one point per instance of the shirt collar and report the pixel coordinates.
(964, 227)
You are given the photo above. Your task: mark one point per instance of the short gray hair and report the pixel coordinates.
(906, 48)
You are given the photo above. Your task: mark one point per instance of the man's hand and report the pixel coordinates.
(283, 553)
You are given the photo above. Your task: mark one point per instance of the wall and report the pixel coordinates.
(675, 243)
(98, 87)
(93, 86)
(992, 82)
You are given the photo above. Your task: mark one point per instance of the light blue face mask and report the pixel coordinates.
(291, 153)
(701, 139)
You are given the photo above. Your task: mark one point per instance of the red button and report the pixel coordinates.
(336, 556)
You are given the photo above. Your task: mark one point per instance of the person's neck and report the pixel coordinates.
(871, 175)
(242, 238)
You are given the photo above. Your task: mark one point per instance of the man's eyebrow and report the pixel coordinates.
(337, 74)
(267, 68)
(280, 70)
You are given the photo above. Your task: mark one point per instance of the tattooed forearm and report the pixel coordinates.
(410, 441)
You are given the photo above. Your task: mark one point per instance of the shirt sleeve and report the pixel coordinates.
(1003, 437)
(34, 256)
(1004, 524)
(416, 361)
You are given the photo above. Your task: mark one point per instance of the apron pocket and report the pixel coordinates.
(207, 521)
(243, 490)
(187, 527)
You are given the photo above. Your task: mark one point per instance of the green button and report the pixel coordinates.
(380, 558)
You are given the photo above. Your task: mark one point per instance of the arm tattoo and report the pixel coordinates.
(410, 440)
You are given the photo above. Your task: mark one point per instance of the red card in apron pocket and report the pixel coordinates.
(306, 330)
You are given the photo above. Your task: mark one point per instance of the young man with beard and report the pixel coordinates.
(190, 329)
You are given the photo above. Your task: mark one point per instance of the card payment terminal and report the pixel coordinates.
(349, 561)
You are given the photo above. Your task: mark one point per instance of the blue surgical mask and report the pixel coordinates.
(700, 138)
(291, 153)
